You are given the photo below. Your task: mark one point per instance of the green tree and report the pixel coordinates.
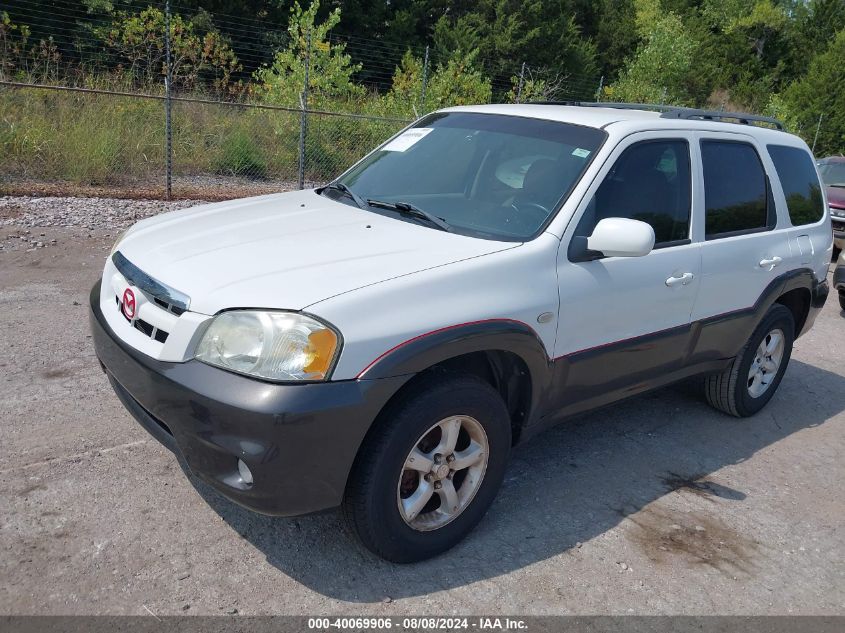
(138, 42)
(13, 39)
(330, 71)
(648, 14)
(760, 25)
(539, 85)
(820, 93)
(616, 35)
(744, 50)
(509, 32)
(456, 82)
(658, 71)
(813, 26)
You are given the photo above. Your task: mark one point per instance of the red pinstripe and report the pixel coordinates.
(443, 329)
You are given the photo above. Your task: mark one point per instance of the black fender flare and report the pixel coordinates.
(426, 350)
(729, 332)
(799, 278)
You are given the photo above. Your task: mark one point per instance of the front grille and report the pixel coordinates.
(161, 293)
(158, 296)
(174, 309)
(139, 324)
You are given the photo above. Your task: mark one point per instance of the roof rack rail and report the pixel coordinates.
(743, 118)
(675, 112)
(608, 104)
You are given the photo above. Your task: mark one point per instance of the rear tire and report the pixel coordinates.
(842, 299)
(749, 382)
(379, 502)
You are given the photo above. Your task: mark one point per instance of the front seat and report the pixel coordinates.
(542, 184)
(637, 190)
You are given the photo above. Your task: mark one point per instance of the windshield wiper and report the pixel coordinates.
(339, 186)
(408, 209)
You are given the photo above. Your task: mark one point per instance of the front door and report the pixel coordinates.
(625, 321)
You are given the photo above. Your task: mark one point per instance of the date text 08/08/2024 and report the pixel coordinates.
(416, 623)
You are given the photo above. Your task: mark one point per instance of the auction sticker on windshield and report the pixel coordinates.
(407, 139)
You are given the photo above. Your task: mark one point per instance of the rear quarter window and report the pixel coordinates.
(736, 192)
(800, 183)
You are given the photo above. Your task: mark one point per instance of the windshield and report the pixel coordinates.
(487, 175)
(833, 174)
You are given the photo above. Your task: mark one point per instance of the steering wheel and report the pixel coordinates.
(536, 212)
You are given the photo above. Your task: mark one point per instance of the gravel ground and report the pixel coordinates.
(91, 213)
(24, 214)
(658, 505)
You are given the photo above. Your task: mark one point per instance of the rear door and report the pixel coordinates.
(799, 191)
(745, 245)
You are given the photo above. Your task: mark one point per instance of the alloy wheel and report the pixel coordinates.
(442, 473)
(767, 360)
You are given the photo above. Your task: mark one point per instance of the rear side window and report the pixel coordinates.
(736, 192)
(800, 184)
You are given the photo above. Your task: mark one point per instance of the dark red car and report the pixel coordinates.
(832, 170)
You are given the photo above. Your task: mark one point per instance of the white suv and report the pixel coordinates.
(382, 342)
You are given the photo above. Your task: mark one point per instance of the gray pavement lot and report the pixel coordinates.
(658, 505)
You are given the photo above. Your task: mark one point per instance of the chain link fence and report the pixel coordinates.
(65, 141)
(118, 109)
(71, 141)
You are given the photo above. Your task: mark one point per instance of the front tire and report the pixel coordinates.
(430, 468)
(842, 299)
(749, 382)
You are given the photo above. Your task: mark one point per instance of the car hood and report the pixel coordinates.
(836, 196)
(286, 250)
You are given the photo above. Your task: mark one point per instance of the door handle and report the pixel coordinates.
(683, 280)
(770, 263)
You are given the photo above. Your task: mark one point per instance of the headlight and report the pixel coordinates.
(839, 213)
(272, 345)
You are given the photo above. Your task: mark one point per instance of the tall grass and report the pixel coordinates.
(81, 138)
(92, 139)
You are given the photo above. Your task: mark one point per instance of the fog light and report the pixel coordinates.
(245, 472)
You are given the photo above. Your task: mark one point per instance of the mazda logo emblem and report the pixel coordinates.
(129, 304)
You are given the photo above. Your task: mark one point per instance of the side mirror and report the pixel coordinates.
(621, 237)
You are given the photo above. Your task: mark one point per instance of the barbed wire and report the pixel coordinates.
(83, 101)
(77, 35)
